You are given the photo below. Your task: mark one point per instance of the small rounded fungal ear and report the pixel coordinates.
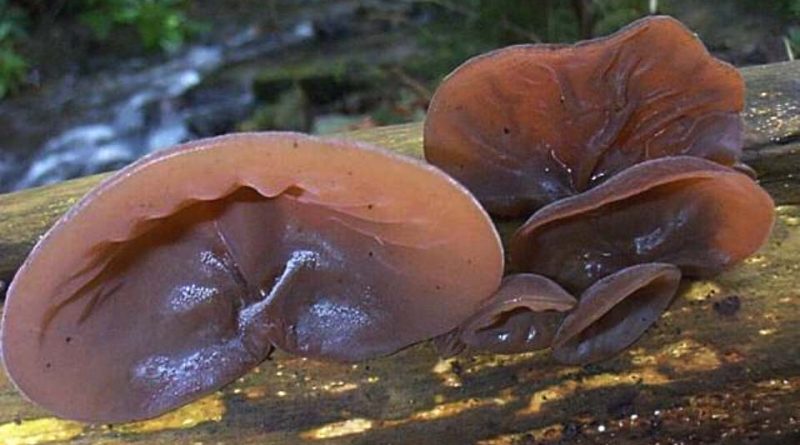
(615, 312)
(527, 125)
(682, 210)
(522, 316)
(176, 275)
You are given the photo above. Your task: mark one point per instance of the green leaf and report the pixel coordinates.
(160, 24)
(12, 69)
(99, 23)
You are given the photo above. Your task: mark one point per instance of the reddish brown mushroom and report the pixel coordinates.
(614, 312)
(522, 316)
(177, 274)
(695, 214)
(526, 125)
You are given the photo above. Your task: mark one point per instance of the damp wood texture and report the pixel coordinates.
(721, 366)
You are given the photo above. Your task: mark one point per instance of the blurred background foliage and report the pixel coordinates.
(484, 24)
(161, 24)
(490, 24)
(89, 85)
(165, 25)
(13, 23)
(158, 24)
(493, 23)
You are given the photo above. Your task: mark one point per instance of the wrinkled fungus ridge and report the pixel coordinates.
(527, 125)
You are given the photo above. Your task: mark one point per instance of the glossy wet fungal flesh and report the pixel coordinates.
(178, 274)
(686, 211)
(522, 316)
(527, 125)
(614, 312)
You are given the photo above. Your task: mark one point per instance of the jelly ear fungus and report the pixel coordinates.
(614, 312)
(522, 316)
(176, 275)
(527, 125)
(625, 149)
(624, 245)
(695, 214)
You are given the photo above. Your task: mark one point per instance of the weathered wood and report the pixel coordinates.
(707, 373)
(772, 116)
(699, 376)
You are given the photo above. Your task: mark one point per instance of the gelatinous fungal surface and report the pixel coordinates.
(178, 274)
(522, 316)
(682, 210)
(614, 312)
(527, 125)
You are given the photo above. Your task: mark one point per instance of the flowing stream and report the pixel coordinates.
(80, 126)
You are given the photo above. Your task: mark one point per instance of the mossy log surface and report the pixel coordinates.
(722, 366)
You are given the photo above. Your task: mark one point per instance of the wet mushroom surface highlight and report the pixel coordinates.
(614, 312)
(695, 214)
(527, 125)
(180, 272)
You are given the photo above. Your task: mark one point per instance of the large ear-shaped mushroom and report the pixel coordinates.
(176, 275)
(614, 312)
(526, 125)
(522, 316)
(682, 210)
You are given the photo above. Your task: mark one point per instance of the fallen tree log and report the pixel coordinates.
(721, 366)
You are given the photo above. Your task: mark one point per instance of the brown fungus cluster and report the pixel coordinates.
(184, 270)
(624, 153)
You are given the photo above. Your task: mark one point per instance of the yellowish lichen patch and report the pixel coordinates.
(486, 361)
(339, 387)
(641, 357)
(689, 356)
(567, 371)
(444, 370)
(783, 386)
(645, 375)
(791, 220)
(549, 394)
(701, 290)
(38, 431)
(456, 408)
(208, 409)
(440, 411)
(649, 375)
(339, 429)
(756, 259)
